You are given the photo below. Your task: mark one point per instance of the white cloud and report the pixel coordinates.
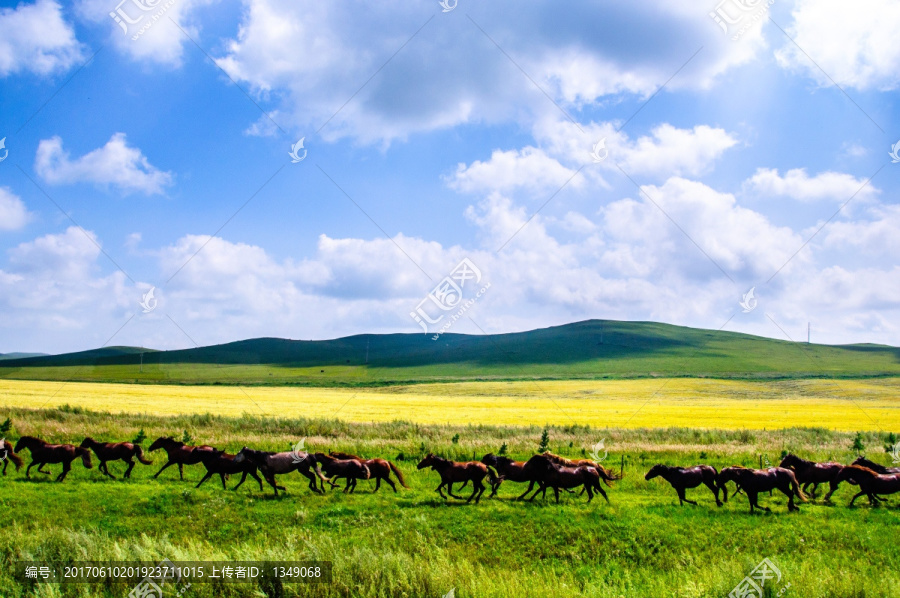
(676, 152)
(797, 184)
(162, 42)
(37, 38)
(114, 164)
(879, 236)
(528, 168)
(13, 214)
(451, 73)
(854, 43)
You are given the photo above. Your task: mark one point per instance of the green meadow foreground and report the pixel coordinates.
(416, 544)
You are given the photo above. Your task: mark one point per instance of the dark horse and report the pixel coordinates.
(380, 469)
(875, 466)
(224, 464)
(871, 483)
(534, 469)
(453, 471)
(810, 472)
(113, 451)
(754, 481)
(350, 469)
(178, 453)
(550, 474)
(43, 453)
(511, 470)
(270, 464)
(7, 454)
(682, 478)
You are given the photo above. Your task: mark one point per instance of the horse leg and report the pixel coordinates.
(388, 480)
(41, 469)
(752, 499)
(450, 490)
(524, 494)
(164, 468)
(815, 487)
(789, 491)
(853, 500)
(684, 498)
(28, 471)
(105, 469)
(536, 492)
(439, 491)
(206, 477)
(715, 491)
(590, 493)
(67, 466)
(476, 485)
(181, 471)
(255, 477)
(128, 471)
(378, 485)
(602, 492)
(243, 477)
(222, 476)
(831, 488)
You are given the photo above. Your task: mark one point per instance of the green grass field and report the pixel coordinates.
(417, 545)
(584, 350)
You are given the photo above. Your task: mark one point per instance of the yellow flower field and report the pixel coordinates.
(870, 404)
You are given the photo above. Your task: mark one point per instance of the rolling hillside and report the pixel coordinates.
(590, 349)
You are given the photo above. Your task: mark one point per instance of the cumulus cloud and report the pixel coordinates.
(451, 73)
(855, 44)
(37, 38)
(505, 171)
(13, 214)
(115, 164)
(797, 184)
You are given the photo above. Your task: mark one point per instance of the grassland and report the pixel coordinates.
(702, 403)
(584, 350)
(414, 544)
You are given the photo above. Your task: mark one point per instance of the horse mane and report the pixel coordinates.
(340, 455)
(862, 469)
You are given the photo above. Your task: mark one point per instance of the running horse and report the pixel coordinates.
(380, 469)
(43, 453)
(534, 469)
(549, 473)
(871, 483)
(178, 453)
(682, 478)
(350, 469)
(7, 454)
(225, 464)
(754, 481)
(114, 451)
(270, 464)
(812, 473)
(454, 471)
(875, 466)
(507, 468)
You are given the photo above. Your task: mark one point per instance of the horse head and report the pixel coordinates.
(87, 442)
(428, 461)
(163, 442)
(656, 470)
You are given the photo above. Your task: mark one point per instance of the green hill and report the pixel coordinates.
(590, 349)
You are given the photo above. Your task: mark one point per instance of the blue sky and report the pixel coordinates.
(431, 137)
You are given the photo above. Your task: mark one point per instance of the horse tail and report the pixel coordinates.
(398, 473)
(492, 477)
(16, 459)
(85, 456)
(607, 476)
(797, 490)
(139, 453)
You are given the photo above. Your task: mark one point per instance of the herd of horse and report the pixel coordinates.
(794, 476)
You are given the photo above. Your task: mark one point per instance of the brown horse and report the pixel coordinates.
(537, 468)
(43, 453)
(178, 453)
(550, 474)
(380, 469)
(225, 464)
(682, 478)
(511, 470)
(754, 481)
(810, 472)
(453, 471)
(113, 451)
(871, 483)
(875, 466)
(7, 454)
(350, 469)
(270, 464)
